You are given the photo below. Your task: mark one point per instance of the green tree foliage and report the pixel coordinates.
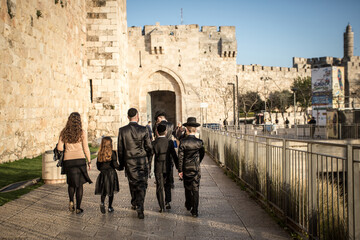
(279, 101)
(302, 88)
(250, 102)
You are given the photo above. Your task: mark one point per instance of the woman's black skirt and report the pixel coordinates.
(76, 172)
(107, 183)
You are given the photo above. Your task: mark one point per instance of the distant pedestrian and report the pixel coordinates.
(107, 183)
(225, 124)
(191, 153)
(134, 151)
(287, 123)
(165, 154)
(312, 124)
(74, 139)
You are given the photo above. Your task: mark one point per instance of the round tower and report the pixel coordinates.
(348, 42)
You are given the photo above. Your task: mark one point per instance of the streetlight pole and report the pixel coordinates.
(264, 79)
(237, 101)
(233, 101)
(294, 90)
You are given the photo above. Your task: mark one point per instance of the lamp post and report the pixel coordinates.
(265, 79)
(233, 101)
(294, 90)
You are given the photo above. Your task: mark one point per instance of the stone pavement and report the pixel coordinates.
(225, 212)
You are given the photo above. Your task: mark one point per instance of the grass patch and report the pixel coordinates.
(93, 151)
(21, 170)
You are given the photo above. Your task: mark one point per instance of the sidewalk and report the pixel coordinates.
(225, 212)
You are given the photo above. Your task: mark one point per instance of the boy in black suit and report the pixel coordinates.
(163, 150)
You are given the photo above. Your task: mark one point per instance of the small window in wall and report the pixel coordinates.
(160, 49)
(234, 54)
(155, 50)
(91, 91)
(224, 54)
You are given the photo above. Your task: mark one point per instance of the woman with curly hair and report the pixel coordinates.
(74, 139)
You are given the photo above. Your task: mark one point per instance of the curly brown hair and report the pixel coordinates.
(73, 130)
(105, 151)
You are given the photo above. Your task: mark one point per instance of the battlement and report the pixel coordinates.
(259, 68)
(228, 31)
(316, 62)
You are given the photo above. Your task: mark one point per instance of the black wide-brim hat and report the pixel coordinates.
(191, 122)
(159, 113)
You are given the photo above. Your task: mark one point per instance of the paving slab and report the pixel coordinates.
(225, 212)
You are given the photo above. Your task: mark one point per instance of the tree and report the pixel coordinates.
(302, 89)
(280, 101)
(250, 102)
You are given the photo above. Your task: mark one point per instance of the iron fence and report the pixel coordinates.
(333, 131)
(314, 186)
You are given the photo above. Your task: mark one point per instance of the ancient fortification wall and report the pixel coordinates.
(107, 75)
(183, 59)
(41, 73)
(279, 78)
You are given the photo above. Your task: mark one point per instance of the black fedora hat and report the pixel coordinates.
(159, 113)
(191, 122)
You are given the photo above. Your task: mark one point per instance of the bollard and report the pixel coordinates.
(51, 174)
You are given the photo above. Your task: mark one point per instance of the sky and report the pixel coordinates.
(268, 32)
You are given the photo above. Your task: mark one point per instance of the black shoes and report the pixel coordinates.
(161, 210)
(79, 210)
(102, 208)
(71, 206)
(141, 215)
(195, 215)
(187, 207)
(172, 186)
(133, 207)
(167, 205)
(110, 209)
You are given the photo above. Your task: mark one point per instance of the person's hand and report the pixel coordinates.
(180, 175)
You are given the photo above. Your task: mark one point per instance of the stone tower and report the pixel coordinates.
(348, 42)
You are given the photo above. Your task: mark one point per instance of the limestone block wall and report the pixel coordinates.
(177, 63)
(279, 78)
(41, 73)
(190, 59)
(106, 50)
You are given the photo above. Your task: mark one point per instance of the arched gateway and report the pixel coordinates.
(161, 89)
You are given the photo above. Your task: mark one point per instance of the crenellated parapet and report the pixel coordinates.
(259, 68)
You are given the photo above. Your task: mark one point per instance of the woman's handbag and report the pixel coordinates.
(59, 156)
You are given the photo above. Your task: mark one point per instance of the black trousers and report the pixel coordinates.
(192, 194)
(163, 184)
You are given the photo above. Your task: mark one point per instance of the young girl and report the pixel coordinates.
(107, 182)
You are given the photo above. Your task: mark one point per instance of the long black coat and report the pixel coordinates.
(134, 149)
(191, 153)
(163, 151)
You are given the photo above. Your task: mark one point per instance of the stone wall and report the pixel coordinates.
(42, 80)
(106, 50)
(187, 58)
(279, 78)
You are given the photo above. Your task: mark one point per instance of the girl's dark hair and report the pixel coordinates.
(73, 130)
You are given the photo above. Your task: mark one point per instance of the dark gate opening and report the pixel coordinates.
(163, 101)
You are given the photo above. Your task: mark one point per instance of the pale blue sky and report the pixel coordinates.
(269, 32)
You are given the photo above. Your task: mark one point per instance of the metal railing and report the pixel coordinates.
(314, 186)
(334, 131)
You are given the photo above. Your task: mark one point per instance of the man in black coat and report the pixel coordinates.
(164, 155)
(191, 153)
(134, 150)
(160, 118)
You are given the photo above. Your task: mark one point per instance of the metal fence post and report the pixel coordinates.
(286, 175)
(356, 168)
(268, 169)
(350, 188)
(312, 191)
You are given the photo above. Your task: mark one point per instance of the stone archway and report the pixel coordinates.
(154, 84)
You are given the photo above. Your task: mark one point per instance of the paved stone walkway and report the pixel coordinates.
(225, 212)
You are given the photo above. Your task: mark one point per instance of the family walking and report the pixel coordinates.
(135, 152)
